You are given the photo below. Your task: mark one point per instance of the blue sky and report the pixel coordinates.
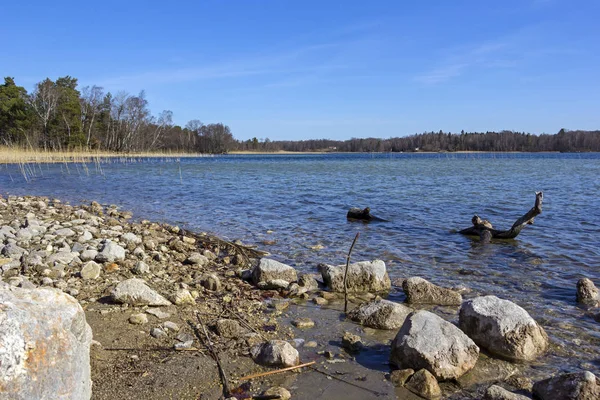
(324, 69)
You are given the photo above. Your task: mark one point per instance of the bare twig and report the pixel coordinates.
(208, 343)
(248, 377)
(346, 273)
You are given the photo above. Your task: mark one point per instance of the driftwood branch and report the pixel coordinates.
(213, 353)
(247, 378)
(346, 273)
(486, 231)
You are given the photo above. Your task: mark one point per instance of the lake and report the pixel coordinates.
(294, 206)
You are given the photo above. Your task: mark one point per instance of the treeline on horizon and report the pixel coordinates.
(58, 115)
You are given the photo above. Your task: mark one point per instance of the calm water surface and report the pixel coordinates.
(300, 202)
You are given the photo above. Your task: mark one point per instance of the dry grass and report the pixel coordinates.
(12, 155)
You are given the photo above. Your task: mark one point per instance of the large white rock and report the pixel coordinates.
(270, 274)
(44, 345)
(380, 314)
(363, 277)
(135, 292)
(428, 341)
(502, 328)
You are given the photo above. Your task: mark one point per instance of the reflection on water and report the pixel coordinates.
(297, 202)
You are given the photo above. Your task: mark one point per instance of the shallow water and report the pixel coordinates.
(303, 200)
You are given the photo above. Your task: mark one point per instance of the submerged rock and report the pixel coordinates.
(503, 328)
(400, 376)
(380, 314)
(363, 277)
(575, 386)
(44, 345)
(276, 353)
(496, 392)
(587, 292)
(135, 292)
(351, 342)
(271, 274)
(420, 291)
(428, 341)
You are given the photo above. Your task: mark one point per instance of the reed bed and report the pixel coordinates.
(12, 155)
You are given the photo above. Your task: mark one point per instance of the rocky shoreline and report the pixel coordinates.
(158, 298)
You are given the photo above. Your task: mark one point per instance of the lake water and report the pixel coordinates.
(300, 201)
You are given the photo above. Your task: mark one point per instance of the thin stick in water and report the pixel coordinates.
(346, 273)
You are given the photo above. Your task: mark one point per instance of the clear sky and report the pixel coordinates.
(305, 69)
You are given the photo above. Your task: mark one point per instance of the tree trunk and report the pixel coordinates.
(485, 231)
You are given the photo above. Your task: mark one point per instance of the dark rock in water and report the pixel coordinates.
(351, 342)
(420, 291)
(503, 328)
(362, 214)
(575, 386)
(587, 292)
(424, 384)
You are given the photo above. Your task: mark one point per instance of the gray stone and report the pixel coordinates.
(130, 237)
(61, 257)
(183, 345)
(283, 393)
(90, 270)
(171, 326)
(158, 313)
(428, 341)
(275, 353)
(141, 268)
(135, 292)
(211, 282)
(420, 291)
(197, 259)
(228, 328)
(575, 386)
(273, 274)
(587, 292)
(183, 297)
(424, 384)
(138, 319)
(86, 236)
(503, 328)
(11, 250)
(308, 282)
(33, 363)
(64, 232)
(157, 333)
(363, 277)
(110, 252)
(380, 314)
(275, 284)
(88, 255)
(496, 392)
